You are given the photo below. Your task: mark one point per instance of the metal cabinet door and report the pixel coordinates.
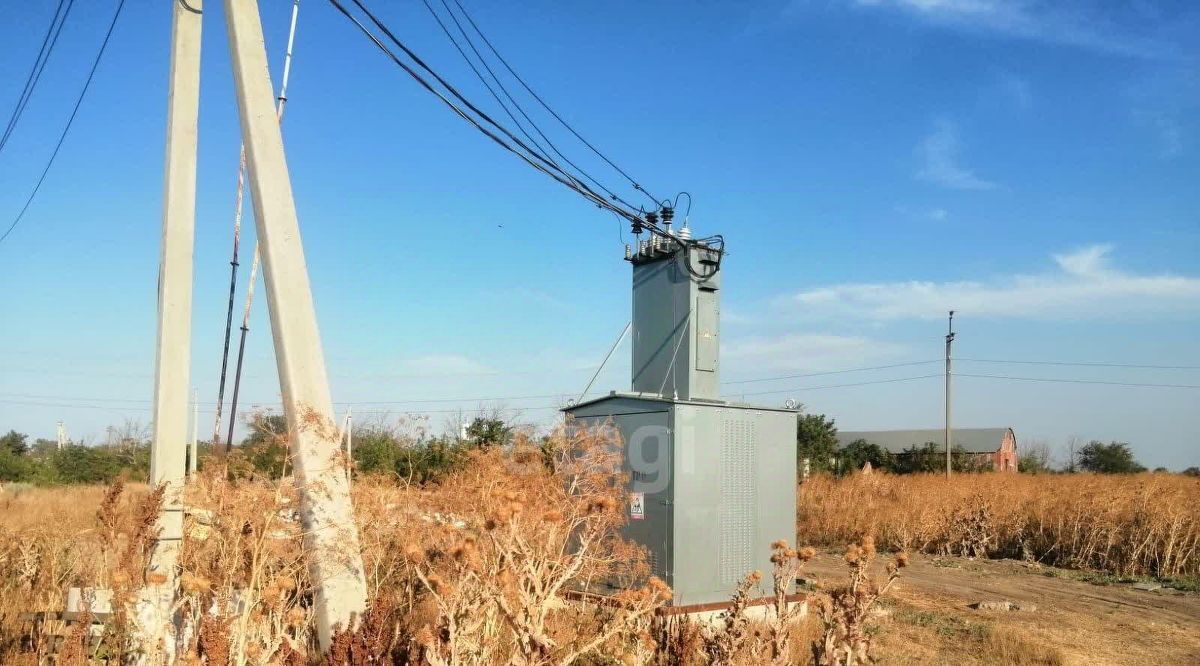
(647, 447)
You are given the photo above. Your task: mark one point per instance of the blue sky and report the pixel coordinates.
(872, 164)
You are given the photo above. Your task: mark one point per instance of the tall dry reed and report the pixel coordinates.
(1145, 524)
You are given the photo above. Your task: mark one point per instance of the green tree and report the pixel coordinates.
(1034, 458)
(265, 446)
(1112, 458)
(15, 468)
(77, 464)
(375, 451)
(1192, 471)
(429, 462)
(932, 458)
(488, 431)
(15, 442)
(816, 440)
(859, 452)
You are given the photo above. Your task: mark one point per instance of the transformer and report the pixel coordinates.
(712, 482)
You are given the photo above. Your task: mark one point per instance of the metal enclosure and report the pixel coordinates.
(713, 483)
(716, 483)
(676, 325)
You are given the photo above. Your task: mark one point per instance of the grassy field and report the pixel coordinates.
(1144, 525)
(470, 569)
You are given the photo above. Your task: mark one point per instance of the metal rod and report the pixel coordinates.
(233, 270)
(281, 101)
(605, 361)
(671, 368)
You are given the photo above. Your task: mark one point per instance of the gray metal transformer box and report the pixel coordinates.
(713, 484)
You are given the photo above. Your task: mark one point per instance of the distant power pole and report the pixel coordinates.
(349, 429)
(949, 342)
(62, 435)
(195, 432)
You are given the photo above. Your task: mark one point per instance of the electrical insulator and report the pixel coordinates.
(668, 214)
(628, 252)
(651, 218)
(636, 226)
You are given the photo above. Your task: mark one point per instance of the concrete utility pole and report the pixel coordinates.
(331, 537)
(949, 341)
(173, 351)
(62, 435)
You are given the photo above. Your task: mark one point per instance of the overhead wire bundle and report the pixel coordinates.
(39, 65)
(540, 155)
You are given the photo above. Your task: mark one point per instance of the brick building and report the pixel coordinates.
(999, 445)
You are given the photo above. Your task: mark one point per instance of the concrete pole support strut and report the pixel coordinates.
(331, 537)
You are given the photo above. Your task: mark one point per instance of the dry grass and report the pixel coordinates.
(914, 636)
(471, 570)
(1141, 525)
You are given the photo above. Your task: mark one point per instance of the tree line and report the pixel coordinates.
(817, 442)
(417, 457)
(378, 448)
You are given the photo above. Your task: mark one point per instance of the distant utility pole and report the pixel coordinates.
(330, 534)
(195, 432)
(62, 435)
(949, 342)
(349, 430)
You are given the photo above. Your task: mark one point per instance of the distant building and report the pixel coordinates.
(999, 445)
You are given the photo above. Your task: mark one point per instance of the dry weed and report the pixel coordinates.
(1146, 524)
(845, 612)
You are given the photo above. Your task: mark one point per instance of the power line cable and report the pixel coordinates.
(37, 399)
(39, 65)
(414, 401)
(500, 84)
(119, 409)
(1080, 381)
(70, 120)
(542, 153)
(830, 372)
(476, 117)
(546, 106)
(1082, 364)
(830, 386)
(527, 154)
(568, 393)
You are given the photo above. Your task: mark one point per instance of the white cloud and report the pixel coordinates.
(1122, 30)
(939, 154)
(805, 351)
(1084, 284)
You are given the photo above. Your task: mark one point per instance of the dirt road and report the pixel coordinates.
(930, 619)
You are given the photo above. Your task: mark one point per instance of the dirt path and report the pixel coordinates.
(1082, 622)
